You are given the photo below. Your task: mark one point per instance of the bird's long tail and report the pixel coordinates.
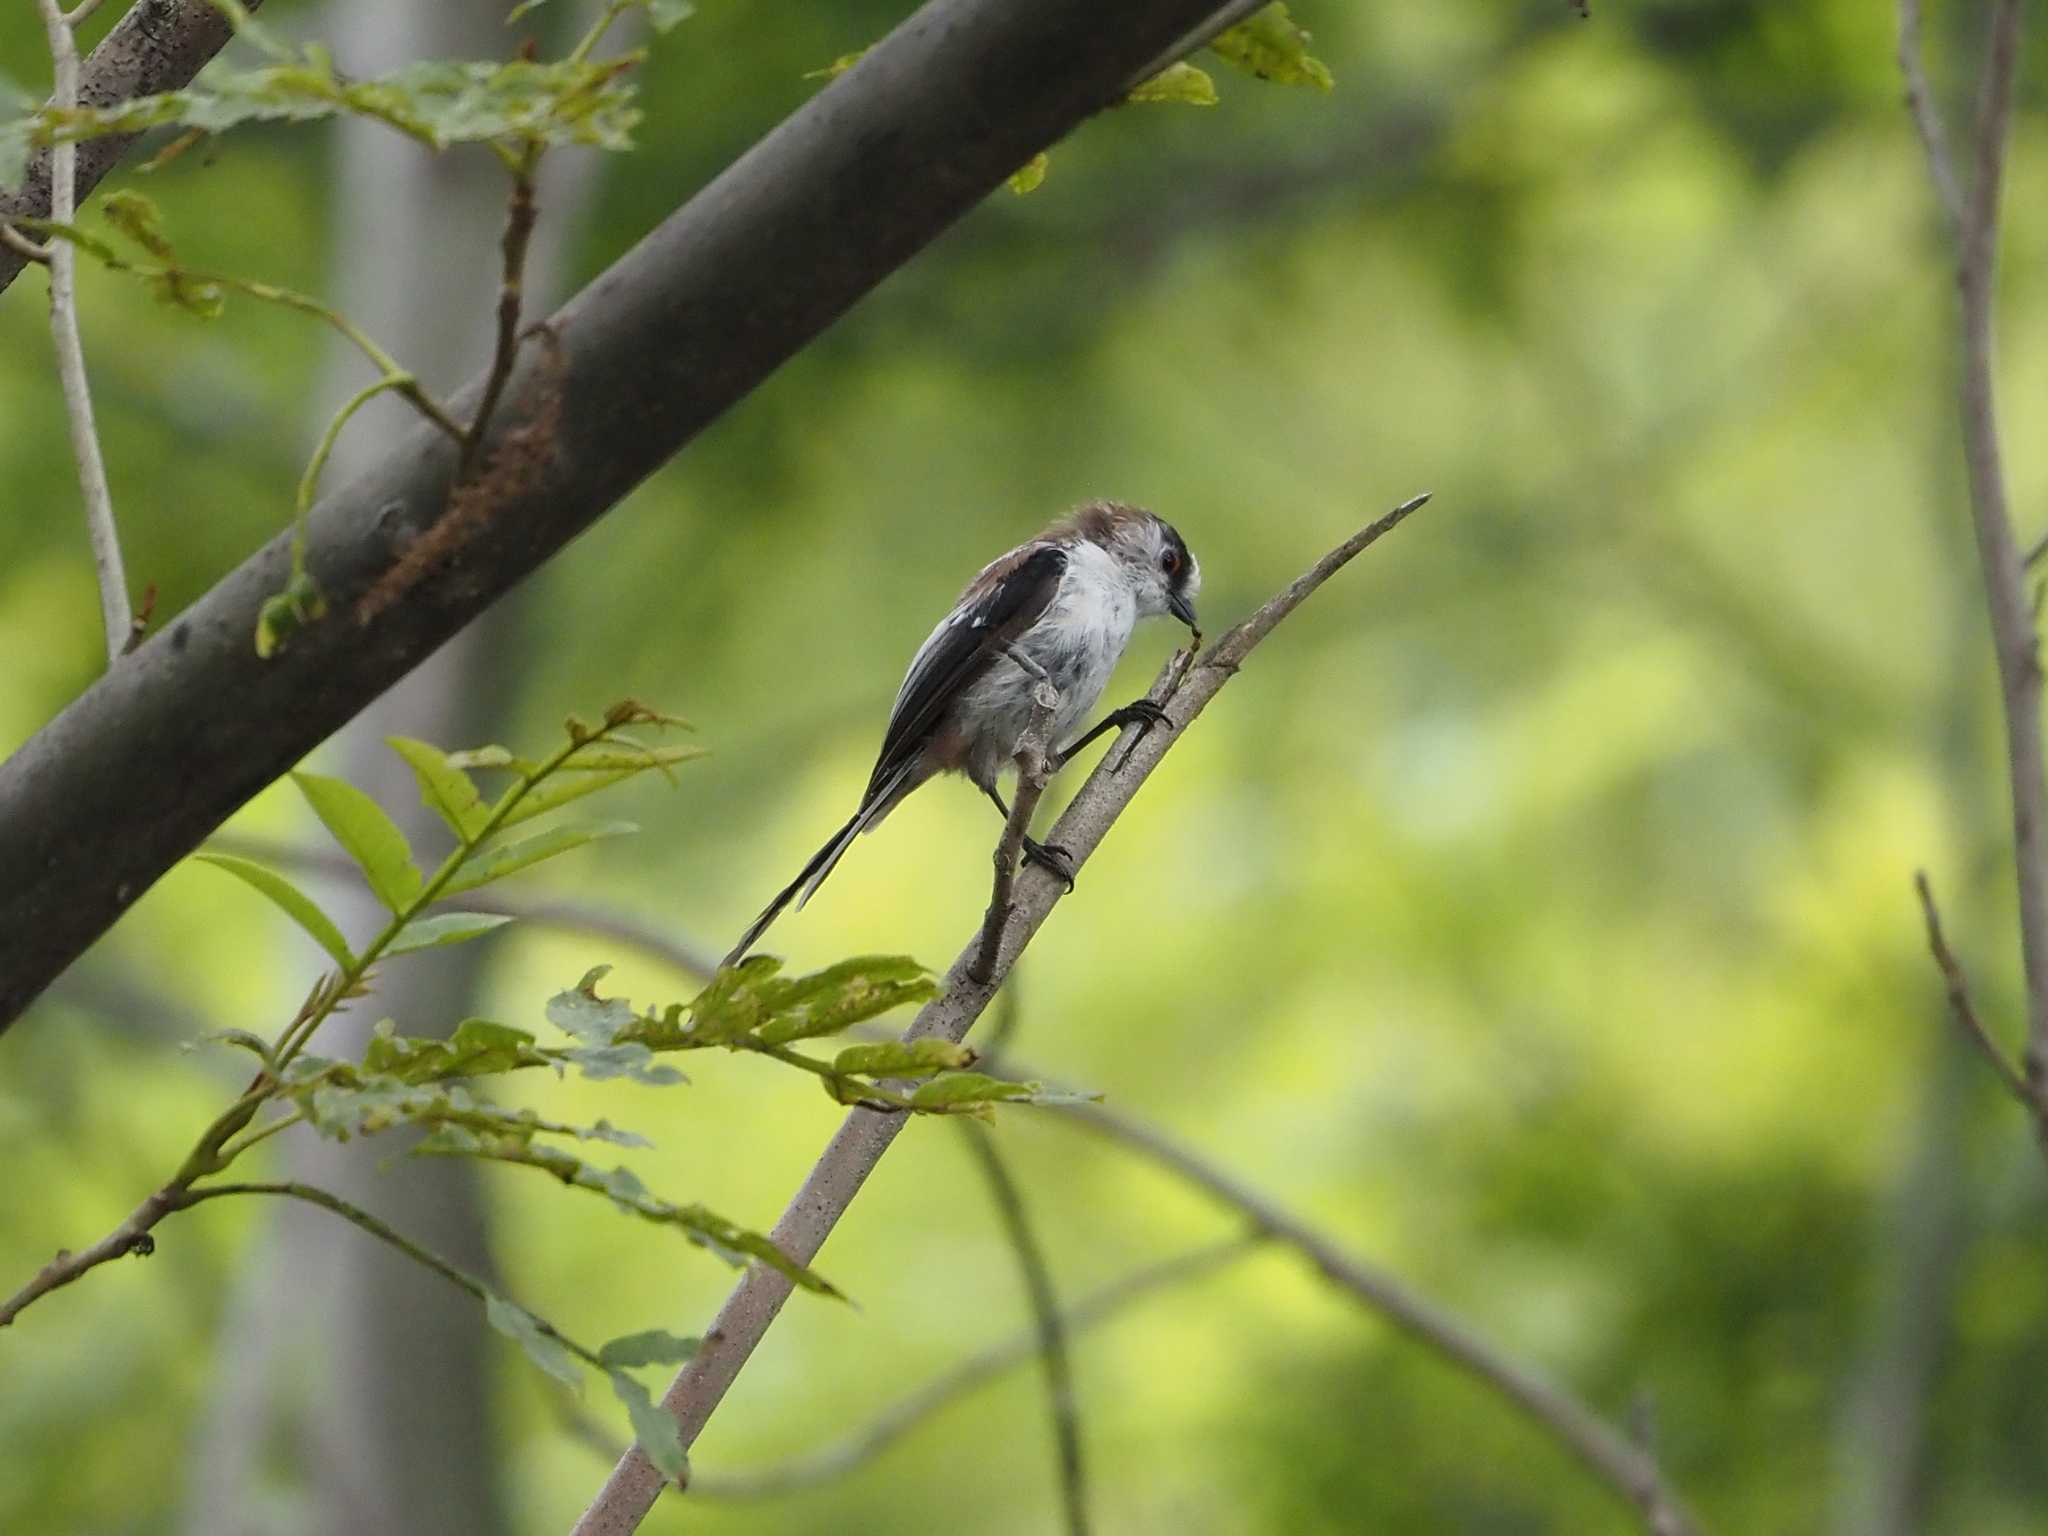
(812, 875)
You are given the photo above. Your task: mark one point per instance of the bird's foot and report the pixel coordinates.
(1051, 856)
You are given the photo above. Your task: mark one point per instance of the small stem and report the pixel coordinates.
(132, 1236)
(62, 260)
(519, 220)
(312, 1194)
(1048, 1322)
(598, 28)
(301, 1030)
(263, 1133)
(1957, 984)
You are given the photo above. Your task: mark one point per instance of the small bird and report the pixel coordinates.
(1058, 608)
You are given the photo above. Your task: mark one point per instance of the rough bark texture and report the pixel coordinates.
(679, 329)
(158, 46)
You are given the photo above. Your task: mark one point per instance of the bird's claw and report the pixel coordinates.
(1052, 857)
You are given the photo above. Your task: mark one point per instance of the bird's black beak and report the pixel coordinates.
(1183, 610)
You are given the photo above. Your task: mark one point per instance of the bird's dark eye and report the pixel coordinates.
(1169, 562)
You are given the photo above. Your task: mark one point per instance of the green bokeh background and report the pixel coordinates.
(1534, 913)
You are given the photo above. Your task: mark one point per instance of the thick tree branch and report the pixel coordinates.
(756, 265)
(1974, 220)
(864, 1136)
(158, 46)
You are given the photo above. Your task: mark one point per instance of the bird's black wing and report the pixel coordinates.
(1000, 604)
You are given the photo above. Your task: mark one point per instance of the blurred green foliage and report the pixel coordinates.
(1534, 913)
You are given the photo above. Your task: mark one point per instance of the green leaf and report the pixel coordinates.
(602, 1062)
(292, 901)
(535, 1337)
(840, 996)
(653, 1347)
(731, 1242)
(904, 1058)
(838, 66)
(478, 1048)
(366, 834)
(1031, 174)
(653, 1426)
(1182, 83)
(664, 14)
(1270, 46)
(510, 858)
(573, 782)
(481, 757)
(967, 1091)
(444, 789)
(444, 928)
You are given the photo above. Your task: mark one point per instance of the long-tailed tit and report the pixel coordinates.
(1059, 608)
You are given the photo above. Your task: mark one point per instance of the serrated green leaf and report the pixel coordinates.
(366, 835)
(840, 996)
(289, 899)
(655, 1346)
(533, 1336)
(510, 858)
(444, 788)
(1181, 83)
(1270, 46)
(653, 1426)
(1029, 176)
(444, 928)
(904, 1058)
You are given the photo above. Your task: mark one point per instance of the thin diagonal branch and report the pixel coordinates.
(62, 258)
(2014, 638)
(1612, 1456)
(863, 1137)
(896, 1421)
(1957, 983)
(1926, 112)
(1047, 1321)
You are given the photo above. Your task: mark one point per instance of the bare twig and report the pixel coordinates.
(1051, 1327)
(1975, 224)
(520, 214)
(1610, 1454)
(1957, 983)
(132, 1236)
(1927, 115)
(1031, 770)
(863, 1137)
(894, 1422)
(1225, 17)
(62, 260)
